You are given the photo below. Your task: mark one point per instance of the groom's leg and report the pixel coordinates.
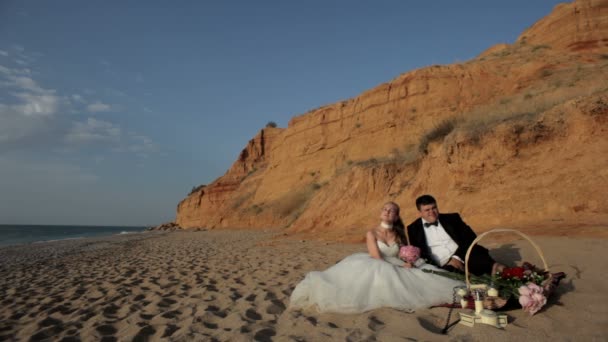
(480, 261)
(451, 268)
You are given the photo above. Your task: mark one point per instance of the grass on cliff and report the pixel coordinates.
(528, 105)
(196, 188)
(238, 202)
(439, 132)
(524, 108)
(295, 202)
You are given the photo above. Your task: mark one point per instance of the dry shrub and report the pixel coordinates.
(293, 203)
(524, 106)
(437, 133)
(238, 202)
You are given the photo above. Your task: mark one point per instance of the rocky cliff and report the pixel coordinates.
(515, 137)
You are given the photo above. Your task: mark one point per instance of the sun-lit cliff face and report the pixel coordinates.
(515, 137)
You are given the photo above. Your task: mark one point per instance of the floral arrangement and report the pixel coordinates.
(409, 253)
(529, 284)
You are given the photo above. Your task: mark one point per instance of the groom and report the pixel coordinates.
(444, 239)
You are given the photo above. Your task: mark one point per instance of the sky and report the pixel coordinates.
(111, 111)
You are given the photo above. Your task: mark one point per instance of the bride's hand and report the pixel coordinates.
(407, 265)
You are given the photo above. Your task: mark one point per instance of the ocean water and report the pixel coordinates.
(25, 234)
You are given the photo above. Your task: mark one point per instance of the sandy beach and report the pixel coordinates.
(235, 286)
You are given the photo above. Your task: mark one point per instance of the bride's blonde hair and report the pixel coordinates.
(398, 225)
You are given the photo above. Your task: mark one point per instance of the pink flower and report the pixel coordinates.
(531, 298)
(534, 288)
(524, 300)
(409, 253)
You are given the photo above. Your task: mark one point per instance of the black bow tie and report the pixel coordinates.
(427, 224)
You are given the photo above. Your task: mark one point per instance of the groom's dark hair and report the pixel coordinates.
(425, 200)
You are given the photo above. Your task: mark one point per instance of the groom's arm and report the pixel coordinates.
(418, 239)
(466, 236)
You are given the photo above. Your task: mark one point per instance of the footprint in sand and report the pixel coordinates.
(106, 329)
(252, 314)
(235, 294)
(46, 333)
(430, 324)
(86, 314)
(264, 335)
(146, 317)
(49, 321)
(144, 334)
(166, 302)
(211, 288)
(375, 324)
(171, 328)
(276, 308)
(312, 320)
(110, 311)
(171, 314)
(216, 311)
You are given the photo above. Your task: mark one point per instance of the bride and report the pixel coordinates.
(366, 281)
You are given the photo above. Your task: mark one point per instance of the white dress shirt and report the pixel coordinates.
(440, 243)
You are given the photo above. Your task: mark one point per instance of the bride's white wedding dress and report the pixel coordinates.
(360, 283)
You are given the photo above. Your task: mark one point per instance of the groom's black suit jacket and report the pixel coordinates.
(480, 261)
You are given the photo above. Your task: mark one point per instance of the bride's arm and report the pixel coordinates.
(372, 246)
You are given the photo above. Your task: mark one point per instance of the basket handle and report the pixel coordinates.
(466, 259)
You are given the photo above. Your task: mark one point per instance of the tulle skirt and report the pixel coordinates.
(360, 283)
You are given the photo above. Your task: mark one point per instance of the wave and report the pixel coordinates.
(72, 238)
(124, 232)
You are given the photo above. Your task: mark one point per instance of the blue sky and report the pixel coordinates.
(111, 111)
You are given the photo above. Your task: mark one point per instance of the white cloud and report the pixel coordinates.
(39, 119)
(29, 118)
(98, 107)
(3, 53)
(37, 104)
(28, 83)
(93, 130)
(12, 72)
(32, 98)
(17, 129)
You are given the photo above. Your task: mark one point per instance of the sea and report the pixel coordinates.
(25, 234)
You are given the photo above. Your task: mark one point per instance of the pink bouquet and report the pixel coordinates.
(531, 298)
(409, 253)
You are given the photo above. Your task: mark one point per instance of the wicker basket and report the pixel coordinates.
(494, 303)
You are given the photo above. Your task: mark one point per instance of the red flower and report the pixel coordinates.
(513, 272)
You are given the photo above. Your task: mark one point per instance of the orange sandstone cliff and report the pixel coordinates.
(516, 137)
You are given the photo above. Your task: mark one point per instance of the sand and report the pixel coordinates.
(235, 286)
